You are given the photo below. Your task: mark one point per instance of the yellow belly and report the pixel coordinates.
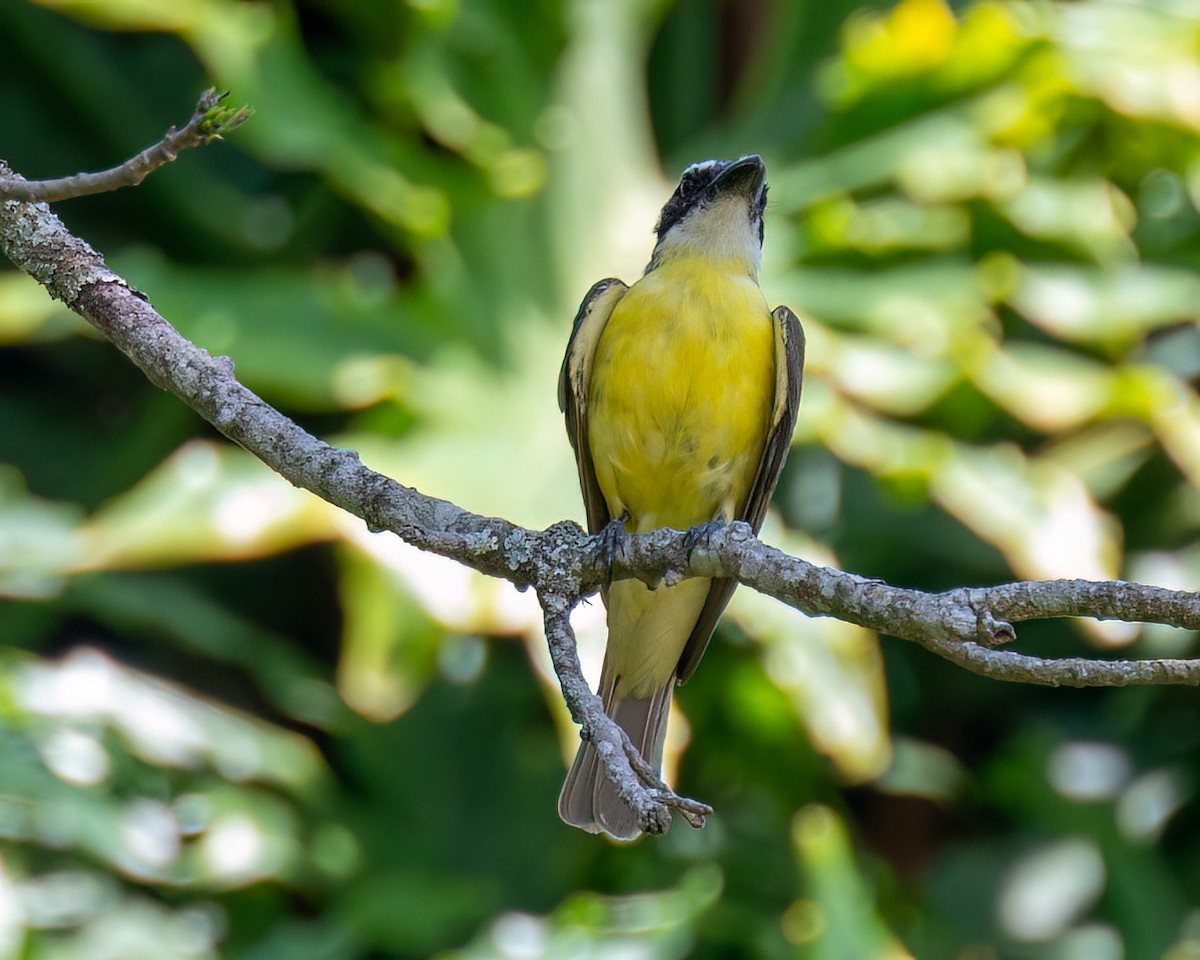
(681, 394)
(679, 406)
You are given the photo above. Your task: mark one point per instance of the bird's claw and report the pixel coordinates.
(698, 536)
(609, 542)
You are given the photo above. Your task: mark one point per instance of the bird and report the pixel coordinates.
(680, 395)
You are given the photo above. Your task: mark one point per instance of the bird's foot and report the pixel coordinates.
(695, 812)
(699, 535)
(609, 542)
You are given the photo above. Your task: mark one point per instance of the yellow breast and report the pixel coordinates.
(681, 395)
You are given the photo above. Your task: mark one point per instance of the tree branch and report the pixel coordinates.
(636, 782)
(964, 625)
(209, 121)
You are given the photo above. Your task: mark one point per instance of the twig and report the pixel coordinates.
(636, 782)
(961, 625)
(208, 123)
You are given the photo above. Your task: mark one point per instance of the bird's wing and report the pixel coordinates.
(573, 380)
(789, 373)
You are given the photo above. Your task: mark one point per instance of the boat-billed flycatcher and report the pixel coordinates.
(680, 395)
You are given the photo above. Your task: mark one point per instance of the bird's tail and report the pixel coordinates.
(588, 799)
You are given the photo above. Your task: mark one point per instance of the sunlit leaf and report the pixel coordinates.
(830, 671)
(207, 502)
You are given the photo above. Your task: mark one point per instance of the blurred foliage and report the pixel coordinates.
(234, 722)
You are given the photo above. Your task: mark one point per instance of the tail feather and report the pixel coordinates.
(589, 799)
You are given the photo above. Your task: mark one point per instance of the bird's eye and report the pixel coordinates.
(688, 195)
(689, 183)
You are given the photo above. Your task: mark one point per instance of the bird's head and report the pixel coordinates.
(715, 212)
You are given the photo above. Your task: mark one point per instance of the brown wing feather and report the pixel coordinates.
(789, 374)
(573, 379)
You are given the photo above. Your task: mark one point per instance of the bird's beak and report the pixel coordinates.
(745, 176)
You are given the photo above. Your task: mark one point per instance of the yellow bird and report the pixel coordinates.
(680, 395)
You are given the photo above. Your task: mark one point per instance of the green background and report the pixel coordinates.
(235, 723)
